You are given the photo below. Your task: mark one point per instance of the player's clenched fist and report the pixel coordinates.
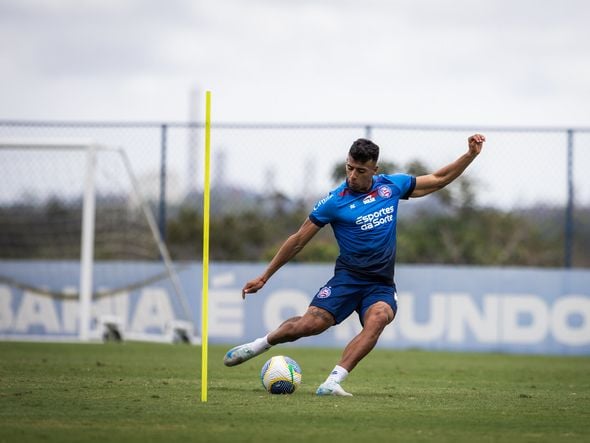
(476, 143)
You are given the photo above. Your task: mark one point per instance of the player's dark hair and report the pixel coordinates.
(363, 150)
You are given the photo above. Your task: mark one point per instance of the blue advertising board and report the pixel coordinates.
(515, 310)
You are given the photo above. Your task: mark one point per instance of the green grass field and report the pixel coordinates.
(139, 392)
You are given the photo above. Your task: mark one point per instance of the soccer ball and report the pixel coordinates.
(280, 375)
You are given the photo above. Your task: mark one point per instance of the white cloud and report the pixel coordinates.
(459, 61)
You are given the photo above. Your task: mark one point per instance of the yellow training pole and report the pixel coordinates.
(205, 291)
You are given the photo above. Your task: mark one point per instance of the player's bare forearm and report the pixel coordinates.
(286, 252)
(289, 249)
(427, 184)
(450, 172)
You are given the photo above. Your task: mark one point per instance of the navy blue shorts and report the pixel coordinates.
(342, 298)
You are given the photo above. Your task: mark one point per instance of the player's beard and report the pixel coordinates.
(356, 187)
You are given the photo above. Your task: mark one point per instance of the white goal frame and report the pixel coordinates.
(88, 221)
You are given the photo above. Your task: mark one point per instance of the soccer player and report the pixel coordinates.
(363, 215)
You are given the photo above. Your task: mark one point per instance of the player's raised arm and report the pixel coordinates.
(286, 252)
(426, 184)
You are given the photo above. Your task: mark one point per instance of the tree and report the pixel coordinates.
(446, 227)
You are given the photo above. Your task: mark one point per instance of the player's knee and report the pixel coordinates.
(379, 316)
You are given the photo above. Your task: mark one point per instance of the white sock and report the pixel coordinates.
(261, 344)
(338, 374)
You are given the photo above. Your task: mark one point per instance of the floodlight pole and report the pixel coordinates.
(87, 253)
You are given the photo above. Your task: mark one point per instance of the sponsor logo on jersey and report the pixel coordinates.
(322, 201)
(369, 198)
(325, 292)
(377, 218)
(384, 191)
(352, 206)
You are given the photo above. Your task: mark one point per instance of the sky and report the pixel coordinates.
(454, 62)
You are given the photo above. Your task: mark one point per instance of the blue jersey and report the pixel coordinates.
(364, 225)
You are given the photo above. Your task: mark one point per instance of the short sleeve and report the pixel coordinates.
(405, 182)
(322, 212)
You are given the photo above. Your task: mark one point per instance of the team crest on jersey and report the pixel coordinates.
(324, 292)
(384, 191)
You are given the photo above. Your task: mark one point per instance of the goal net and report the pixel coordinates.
(81, 255)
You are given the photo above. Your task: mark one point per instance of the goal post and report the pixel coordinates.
(87, 253)
(101, 207)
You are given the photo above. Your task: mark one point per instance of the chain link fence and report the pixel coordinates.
(524, 202)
